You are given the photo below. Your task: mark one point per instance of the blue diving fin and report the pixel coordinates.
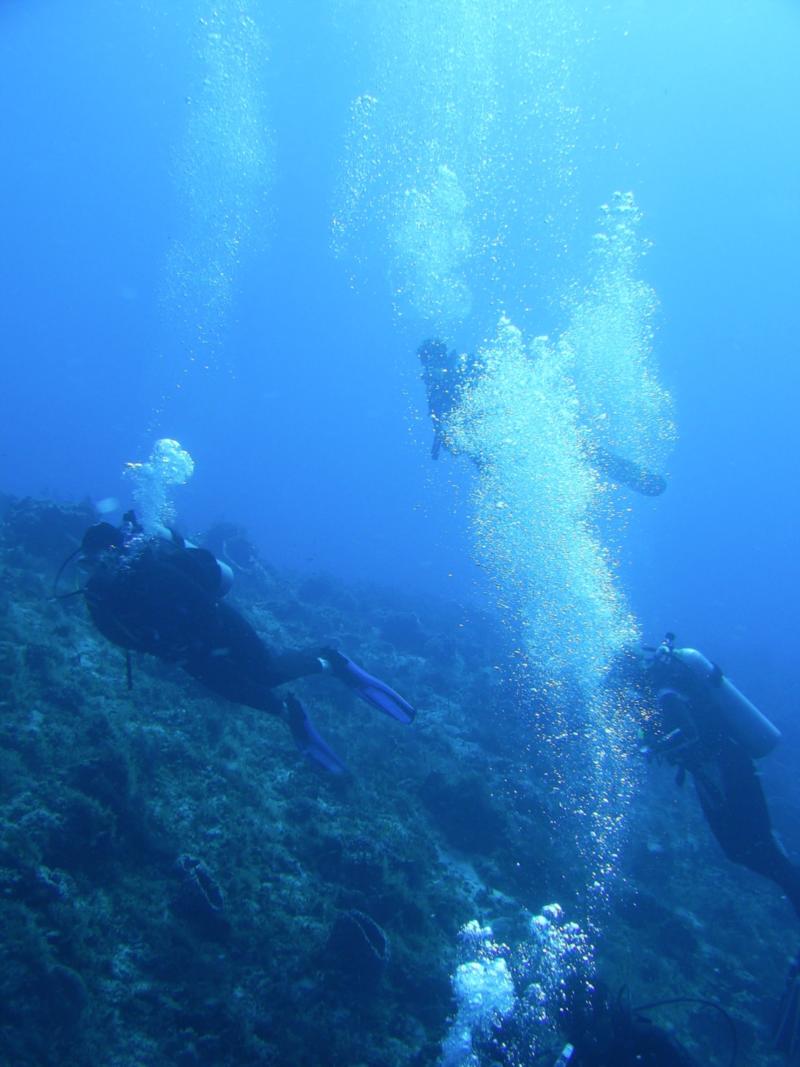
(369, 688)
(309, 741)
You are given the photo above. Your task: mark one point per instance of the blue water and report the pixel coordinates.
(309, 425)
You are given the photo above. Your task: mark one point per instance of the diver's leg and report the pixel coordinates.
(625, 471)
(737, 813)
(239, 682)
(289, 666)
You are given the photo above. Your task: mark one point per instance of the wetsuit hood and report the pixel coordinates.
(100, 538)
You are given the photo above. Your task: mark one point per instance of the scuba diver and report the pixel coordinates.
(160, 594)
(600, 1029)
(446, 374)
(607, 1031)
(705, 726)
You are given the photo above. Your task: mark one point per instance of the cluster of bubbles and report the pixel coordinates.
(610, 335)
(460, 170)
(509, 1001)
(484, 993)
(612, 772)
(556, 953)
(533, 501)
(169, 465)
(432, 241)
(532, 420)
(222, 172)
(461, 154)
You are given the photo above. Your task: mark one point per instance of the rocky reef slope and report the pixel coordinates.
(177, 886)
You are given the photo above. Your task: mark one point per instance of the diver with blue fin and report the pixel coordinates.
(707, 727)
(160, 594)
(446, 373)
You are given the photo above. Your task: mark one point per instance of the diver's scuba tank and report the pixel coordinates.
(166, 533)
(757, 735)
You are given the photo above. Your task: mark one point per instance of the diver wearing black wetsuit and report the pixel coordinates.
(446, 374)
(717, 742)
(703, 725)
(161, 595)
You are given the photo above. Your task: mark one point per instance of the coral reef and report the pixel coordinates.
(177, 886)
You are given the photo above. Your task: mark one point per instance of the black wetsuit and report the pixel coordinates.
(162, 597)
(444, 374)
(725, 775)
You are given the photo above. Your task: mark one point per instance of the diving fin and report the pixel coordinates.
(626, 472)
(369, 688)
(309, 741)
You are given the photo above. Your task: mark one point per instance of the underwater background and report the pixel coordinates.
(232, 225)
